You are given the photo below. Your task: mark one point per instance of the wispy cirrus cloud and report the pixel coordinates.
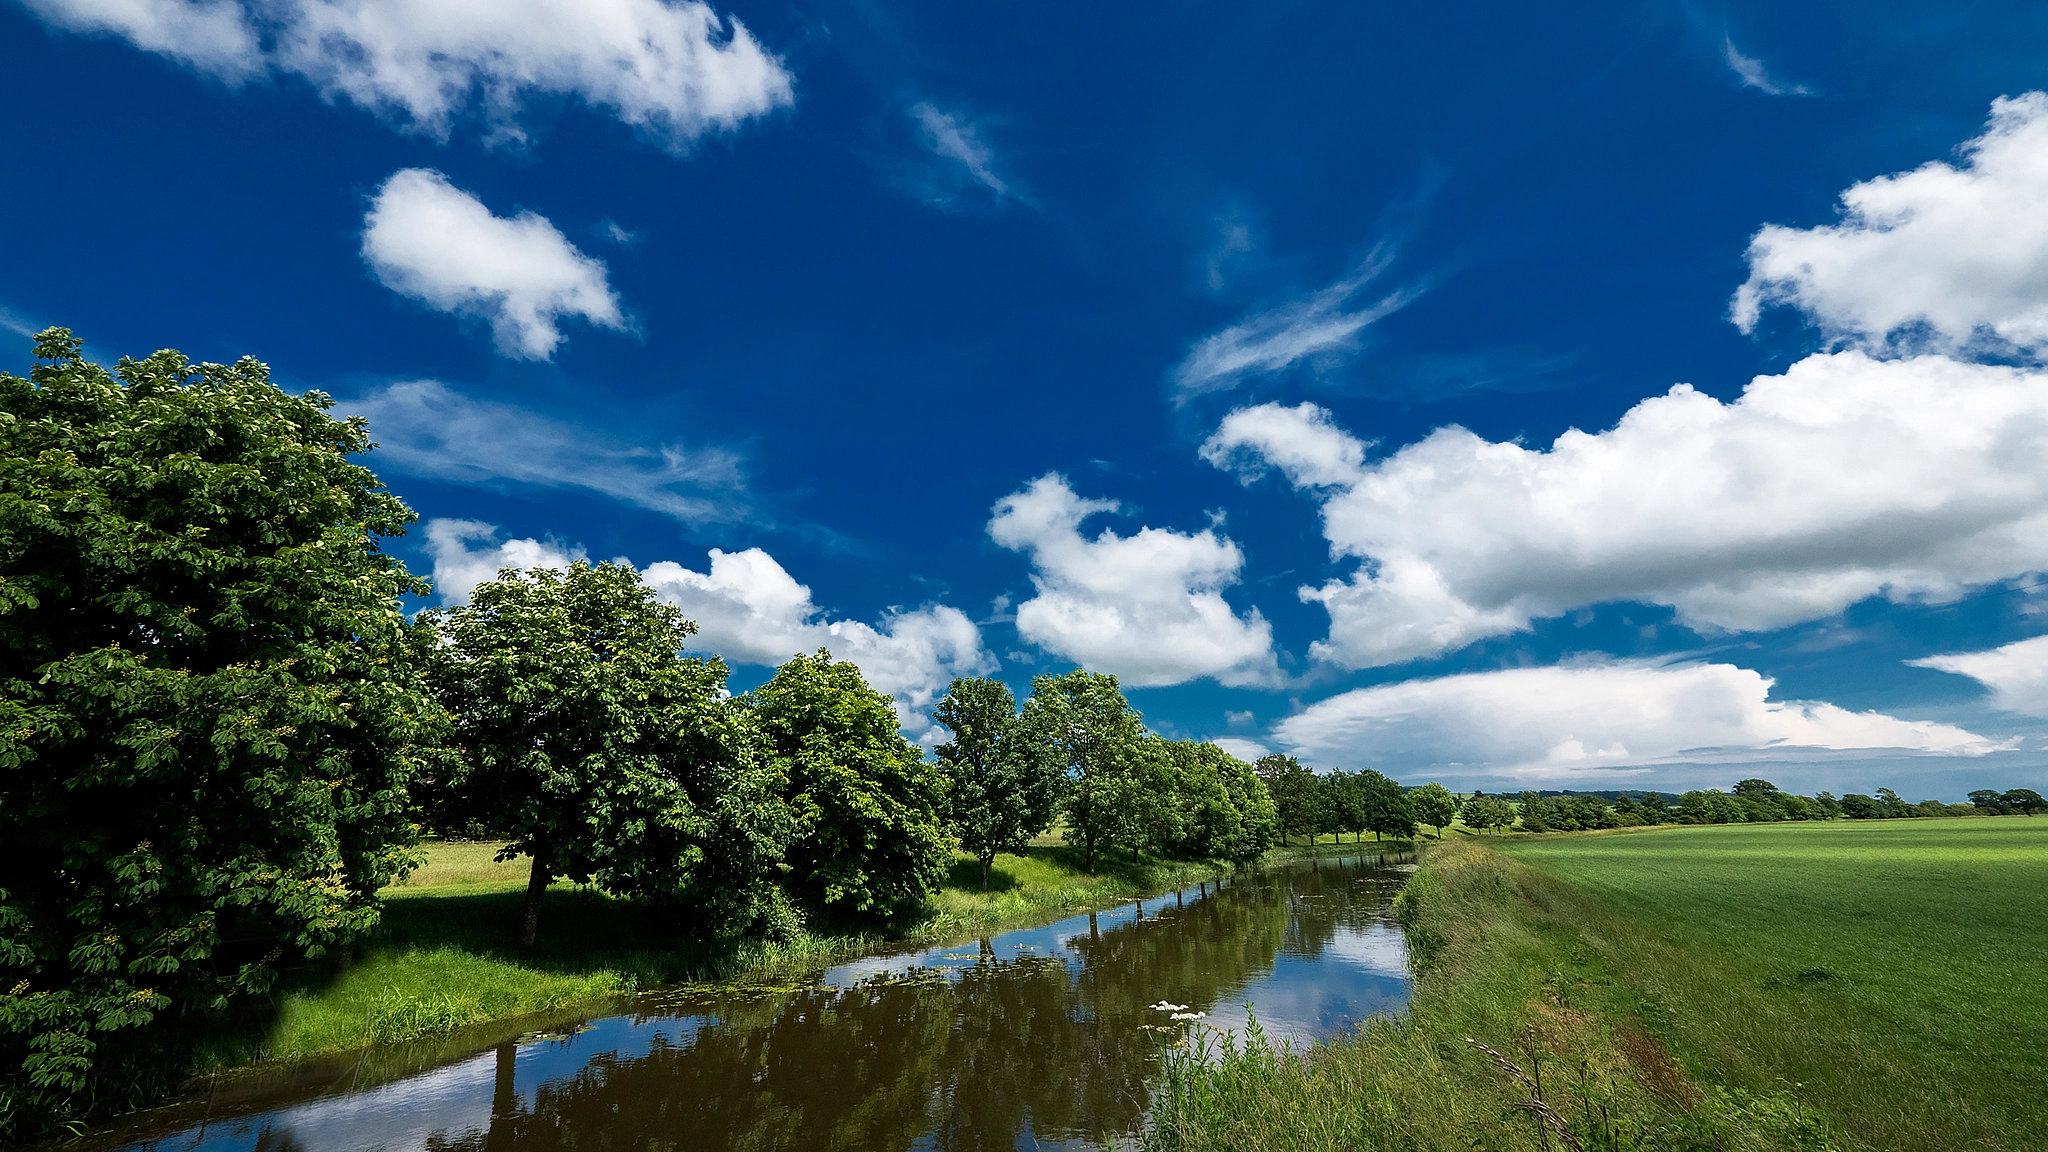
(1321, 325)
(967, 170)
(424, 428)
(1754, 75)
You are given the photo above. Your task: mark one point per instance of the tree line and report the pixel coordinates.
(221, 736)
(1752, 801)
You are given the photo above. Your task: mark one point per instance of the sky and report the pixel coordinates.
(1612, 395)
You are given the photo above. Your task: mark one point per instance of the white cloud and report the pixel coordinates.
(423, 428)
(750, 610)
(1590, 720)
(459, 568)
(2016, 673)
(1147, 607)
(1941, 256)
(1313, 327)
(1846, 477)
(1248, 751)
(1755, 75)
(427, 239)
(956, 138)
(675, 70)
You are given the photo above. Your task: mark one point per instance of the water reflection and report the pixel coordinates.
(1041, 1038)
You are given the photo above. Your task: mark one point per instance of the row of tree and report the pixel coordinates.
(1752, 801)
(1340, 803)
(220, 735)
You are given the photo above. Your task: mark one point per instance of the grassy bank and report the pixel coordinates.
(1775, 987)
(445, 957)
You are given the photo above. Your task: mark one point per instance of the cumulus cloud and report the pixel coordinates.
(1590, 720)
(1755, 75)
(1318, 326)
(750, 610)
(459, 567)
(1945, 256)
(675, 70)
(427, 239)
(955, 138)
(1147, 607)
(424, 428)
(2016, 673)
(1248, 751)
(1844, 478)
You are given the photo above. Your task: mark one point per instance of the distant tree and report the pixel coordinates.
(1222, 811)
(596, 748)
(1857, 806)
(1754, 789)
(1435, 806)
(1082, 722)
(1487, 813)
(1001, 786)
(1991, 802)
(1387, 808)
(1894, 808)
(1342, 804)
(2025, 801)
(1828, 807)
(1654, 809)
(867, 807)
(210, 715)
(1293, 789)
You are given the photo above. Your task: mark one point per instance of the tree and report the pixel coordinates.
(1435, 806)
(1991, 802)
(866, 803)
(597, 748)
(1001, 786)
(1384, 806)
(1085, 726)
(1894, 808)
(1857, 806)
(1487, 812)
(1293, 789)
(2025, 801)
(210, 710)
(1258, 820)
(1754, 789)
(1341, 804)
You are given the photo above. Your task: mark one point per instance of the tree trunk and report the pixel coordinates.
(536, 883)
(984, 873)
(1088, 845)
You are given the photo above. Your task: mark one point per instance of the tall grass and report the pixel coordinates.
(1517, 1037)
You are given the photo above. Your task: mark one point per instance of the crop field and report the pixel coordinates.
(1893, 974)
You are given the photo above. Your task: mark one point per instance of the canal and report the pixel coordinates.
(1040, 1038)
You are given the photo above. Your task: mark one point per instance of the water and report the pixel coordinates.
(1042, 1038)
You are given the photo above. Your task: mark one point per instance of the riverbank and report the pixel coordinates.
(445, 959)
(1734, 987)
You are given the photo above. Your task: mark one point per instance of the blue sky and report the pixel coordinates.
(899, 309)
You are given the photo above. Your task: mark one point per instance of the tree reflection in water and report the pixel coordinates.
(986, 1046)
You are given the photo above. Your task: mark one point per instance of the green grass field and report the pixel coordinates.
(1893, 974)
(1775, 988)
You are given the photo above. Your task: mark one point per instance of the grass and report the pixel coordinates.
(445, 957)
(1896, 972)
(1741, 987)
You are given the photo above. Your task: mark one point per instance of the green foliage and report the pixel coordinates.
(1435, 806)
(604, 754)
(1387, 809)
(1293, 789)
(867, 806)
(1002, 787)
(1487, 813)
(1222, 811)
(209, 709)
(1091, 733)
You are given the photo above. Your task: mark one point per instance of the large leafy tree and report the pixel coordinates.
(601, 751)
(1387, 809)
(1091, 733)
(1293, 789)
(209, 710)
(868, 807)
(1223, 810)
(1435, 806)
(1002, 787)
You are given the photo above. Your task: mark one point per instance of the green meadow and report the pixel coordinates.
(1866, 985)
(1893, 974)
